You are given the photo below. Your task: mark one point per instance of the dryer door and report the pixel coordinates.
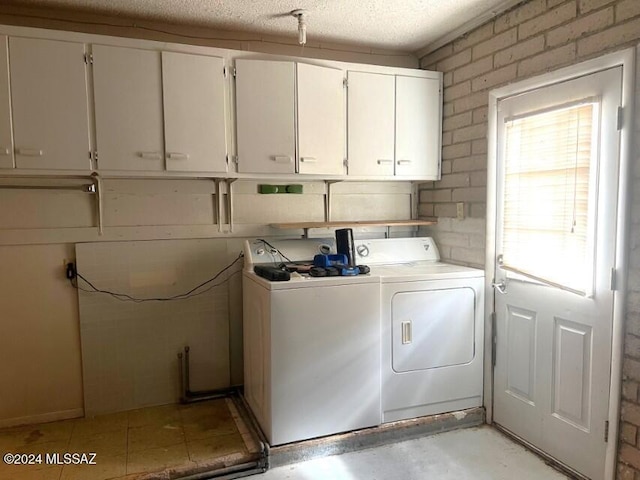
(432, 329)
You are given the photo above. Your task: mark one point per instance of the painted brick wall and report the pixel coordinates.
(536, 36)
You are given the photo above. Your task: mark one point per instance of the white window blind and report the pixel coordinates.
(547, 232)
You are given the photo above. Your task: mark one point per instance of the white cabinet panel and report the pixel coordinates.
(418, 127)
(370, 114)
(128, 105)
(265, 113)
(193, 92)
(321, 122)
(6, 142)
(49, 103)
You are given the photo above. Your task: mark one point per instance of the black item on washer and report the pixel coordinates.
(318, 272)
(274, 274)
(346, 246)
(363, 269)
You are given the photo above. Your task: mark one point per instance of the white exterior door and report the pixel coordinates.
(556, 186)
(321, 120)
(265, 116)
(6, 143)
(370, 114)
(128, 104)
(49, 103)
(418, 127)
(193, 92)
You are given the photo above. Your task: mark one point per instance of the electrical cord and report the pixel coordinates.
(282, 255)
(123, 297)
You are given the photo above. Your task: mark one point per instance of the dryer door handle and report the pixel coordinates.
(406, 332)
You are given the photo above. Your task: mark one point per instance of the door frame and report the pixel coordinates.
(627, 60)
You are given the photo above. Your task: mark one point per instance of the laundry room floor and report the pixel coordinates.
(182, 439)
(479, 453)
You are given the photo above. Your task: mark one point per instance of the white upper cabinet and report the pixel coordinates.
(321, 120)
(128, 108)
(371, 113)
(418, 127)
(49, 104)
(265, 116)
(194, 116)
(6, 143)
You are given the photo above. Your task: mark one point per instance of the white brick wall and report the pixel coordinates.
(532, 38)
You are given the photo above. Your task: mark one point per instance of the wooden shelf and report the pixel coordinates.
(366, 223)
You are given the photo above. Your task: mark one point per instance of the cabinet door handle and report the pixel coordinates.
(150, 155)
(30, 152)
(406, 332)
(308, 160)
(382, 161)
(282, 159)
(178, 156)
(404, 162)
(4, 151)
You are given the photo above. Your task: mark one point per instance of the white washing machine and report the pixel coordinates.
(432, 328)
(311, 346)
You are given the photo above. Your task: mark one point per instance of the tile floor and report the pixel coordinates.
(176, 437)
(480, 453)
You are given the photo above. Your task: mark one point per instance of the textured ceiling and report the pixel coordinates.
(405, 25)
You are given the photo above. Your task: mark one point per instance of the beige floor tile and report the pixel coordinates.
(28, 472)
(101, 424)
(209, 426)
(158, 459)
(165, 414)
(12, 438)
(106, 444)
(153, 436)
(208, 449)
(105, 468)
(194, 411)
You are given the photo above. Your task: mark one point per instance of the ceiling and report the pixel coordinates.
(400, 25)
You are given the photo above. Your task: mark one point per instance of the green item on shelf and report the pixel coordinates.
(295, 188)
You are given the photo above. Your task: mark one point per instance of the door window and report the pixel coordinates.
(550, 166)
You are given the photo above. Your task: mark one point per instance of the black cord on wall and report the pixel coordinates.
(124, 297)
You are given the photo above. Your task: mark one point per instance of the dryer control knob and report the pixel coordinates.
(362, 250)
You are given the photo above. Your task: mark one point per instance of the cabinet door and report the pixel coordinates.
(321, 120)
(128, 103)
(418, 127)
(49, 104)
(265, 113)
(6, 143)
(193, 92)
(370, 117)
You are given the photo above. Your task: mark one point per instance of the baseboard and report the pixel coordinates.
(42, 418)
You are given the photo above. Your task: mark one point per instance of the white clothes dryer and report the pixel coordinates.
(432, 328)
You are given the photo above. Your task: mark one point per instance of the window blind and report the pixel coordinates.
(546, 218)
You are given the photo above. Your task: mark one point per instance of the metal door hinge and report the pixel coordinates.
(345, 162)
(94, 155)
(345, 82)
(606, 431)
(620, 118)
(234, 159)
(229, 70)
(614, 282)
(494, 339)
(88, 58)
